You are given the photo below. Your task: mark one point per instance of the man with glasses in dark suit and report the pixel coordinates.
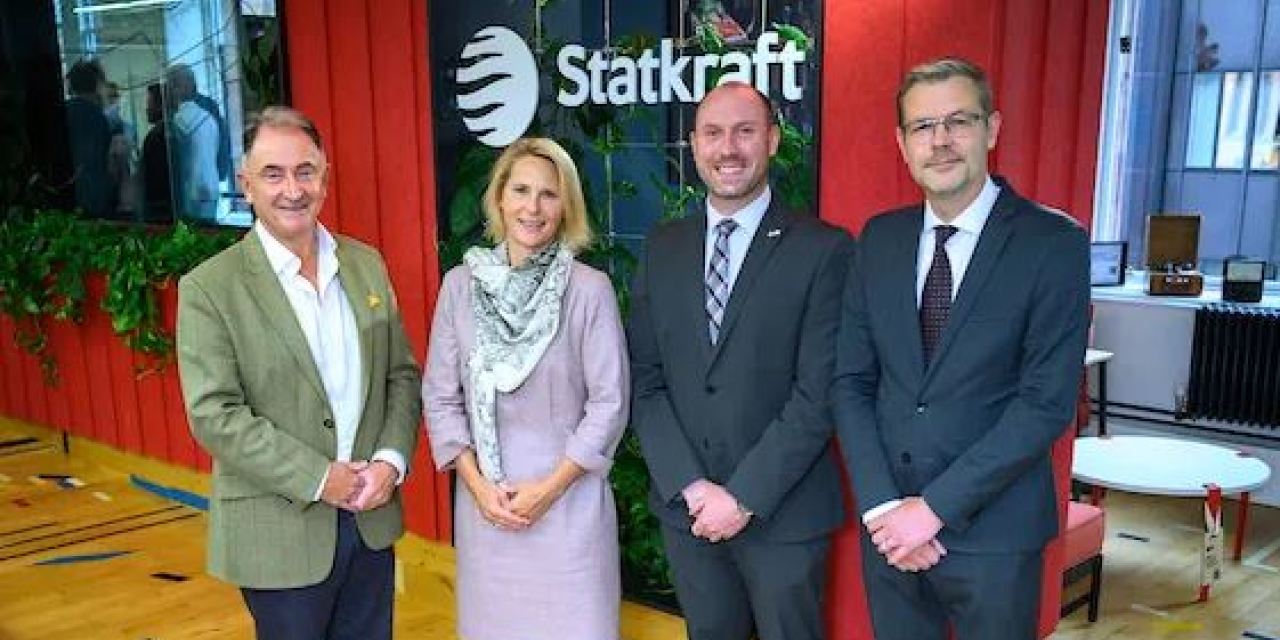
(958, 364)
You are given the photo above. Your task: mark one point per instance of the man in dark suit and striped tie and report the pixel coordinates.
(958, 364)
(734, 312)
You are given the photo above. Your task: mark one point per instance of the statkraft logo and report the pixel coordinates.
(498, 78)
(664, 77)
(497, 86)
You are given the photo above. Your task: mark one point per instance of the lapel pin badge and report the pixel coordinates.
(374, 301)
(773, 233)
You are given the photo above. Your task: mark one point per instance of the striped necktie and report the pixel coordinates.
(935, 299)
(718, 278)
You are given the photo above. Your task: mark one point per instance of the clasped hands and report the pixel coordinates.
(717, 515)
(907, 535)
(359, 485)
(514, 506)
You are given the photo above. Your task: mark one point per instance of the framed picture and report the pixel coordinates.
(1106, 263)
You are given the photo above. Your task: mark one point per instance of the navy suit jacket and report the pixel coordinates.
(752, 412)
(972, 431)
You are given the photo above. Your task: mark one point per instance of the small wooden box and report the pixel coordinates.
(1173, 242)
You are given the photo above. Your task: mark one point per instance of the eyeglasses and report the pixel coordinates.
(961, 124)
(305, 175)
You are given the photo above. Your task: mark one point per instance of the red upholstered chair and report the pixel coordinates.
(1082, 555)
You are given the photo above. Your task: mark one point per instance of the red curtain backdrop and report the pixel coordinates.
(1046, 63)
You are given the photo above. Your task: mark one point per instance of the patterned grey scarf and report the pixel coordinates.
(517, 313)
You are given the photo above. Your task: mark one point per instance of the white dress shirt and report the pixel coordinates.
(325, 316)
(962, 244)
(960, 248)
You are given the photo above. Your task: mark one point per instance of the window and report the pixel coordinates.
(1193, 126)
(155, 94)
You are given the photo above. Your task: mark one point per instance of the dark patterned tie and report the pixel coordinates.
(935, 300)
(718, 277)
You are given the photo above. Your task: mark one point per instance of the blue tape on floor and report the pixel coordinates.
(91, 557)
(1254, 635)
(193, 500)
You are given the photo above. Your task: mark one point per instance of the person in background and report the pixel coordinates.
(120, 160)
(157, 189)
(958, 364)
(193, 143)
(89, 134)
(526, 393)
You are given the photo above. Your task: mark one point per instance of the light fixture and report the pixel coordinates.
(118, 6)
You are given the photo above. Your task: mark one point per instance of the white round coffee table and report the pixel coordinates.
(1166, 466)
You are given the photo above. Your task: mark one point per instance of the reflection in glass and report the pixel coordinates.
(175, 91)
(1233, 123)
(1205, 92)
(1266, 129)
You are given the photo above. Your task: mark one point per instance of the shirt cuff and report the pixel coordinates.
(696, 486)
(393, 458)
(879, 510)
(324, 479)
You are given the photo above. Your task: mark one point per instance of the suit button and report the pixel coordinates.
(906, 458)
(328, 423)
(711, 390)
(920, 408)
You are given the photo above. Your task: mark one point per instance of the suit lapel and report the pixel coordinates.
(991, 243)
(266, 291)
(768, 236)
(363, 299)
(691, 259)
(906, 257)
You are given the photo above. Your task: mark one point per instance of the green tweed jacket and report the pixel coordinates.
(255, 402)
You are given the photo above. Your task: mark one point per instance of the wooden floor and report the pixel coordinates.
(156, 589)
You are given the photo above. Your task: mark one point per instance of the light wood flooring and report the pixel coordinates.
(156, 588)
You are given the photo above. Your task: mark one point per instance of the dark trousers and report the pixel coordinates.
(982, 596)
(727, 589)
(353, 603)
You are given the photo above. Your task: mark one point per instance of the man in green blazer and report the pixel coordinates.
(299, 381)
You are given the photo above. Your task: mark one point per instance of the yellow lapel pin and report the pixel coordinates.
(374, 301)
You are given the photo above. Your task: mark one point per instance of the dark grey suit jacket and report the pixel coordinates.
(971, 433)
(751, 413)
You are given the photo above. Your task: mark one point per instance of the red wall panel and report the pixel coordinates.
(359, 69)
(97, 337)
(11, 375)
(59, 399)
(37, 406)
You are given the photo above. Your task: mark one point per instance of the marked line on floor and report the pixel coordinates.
(77, 559)
(193, 500)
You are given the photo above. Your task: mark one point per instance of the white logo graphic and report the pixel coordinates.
(661, 75)
(497, 86)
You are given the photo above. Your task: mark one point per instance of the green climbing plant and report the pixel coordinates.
(46, 256)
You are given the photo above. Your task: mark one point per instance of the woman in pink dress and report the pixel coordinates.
(525, 395)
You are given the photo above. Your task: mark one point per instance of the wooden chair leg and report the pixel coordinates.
(1095, 587)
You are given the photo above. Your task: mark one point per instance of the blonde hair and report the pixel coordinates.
(575, 230)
